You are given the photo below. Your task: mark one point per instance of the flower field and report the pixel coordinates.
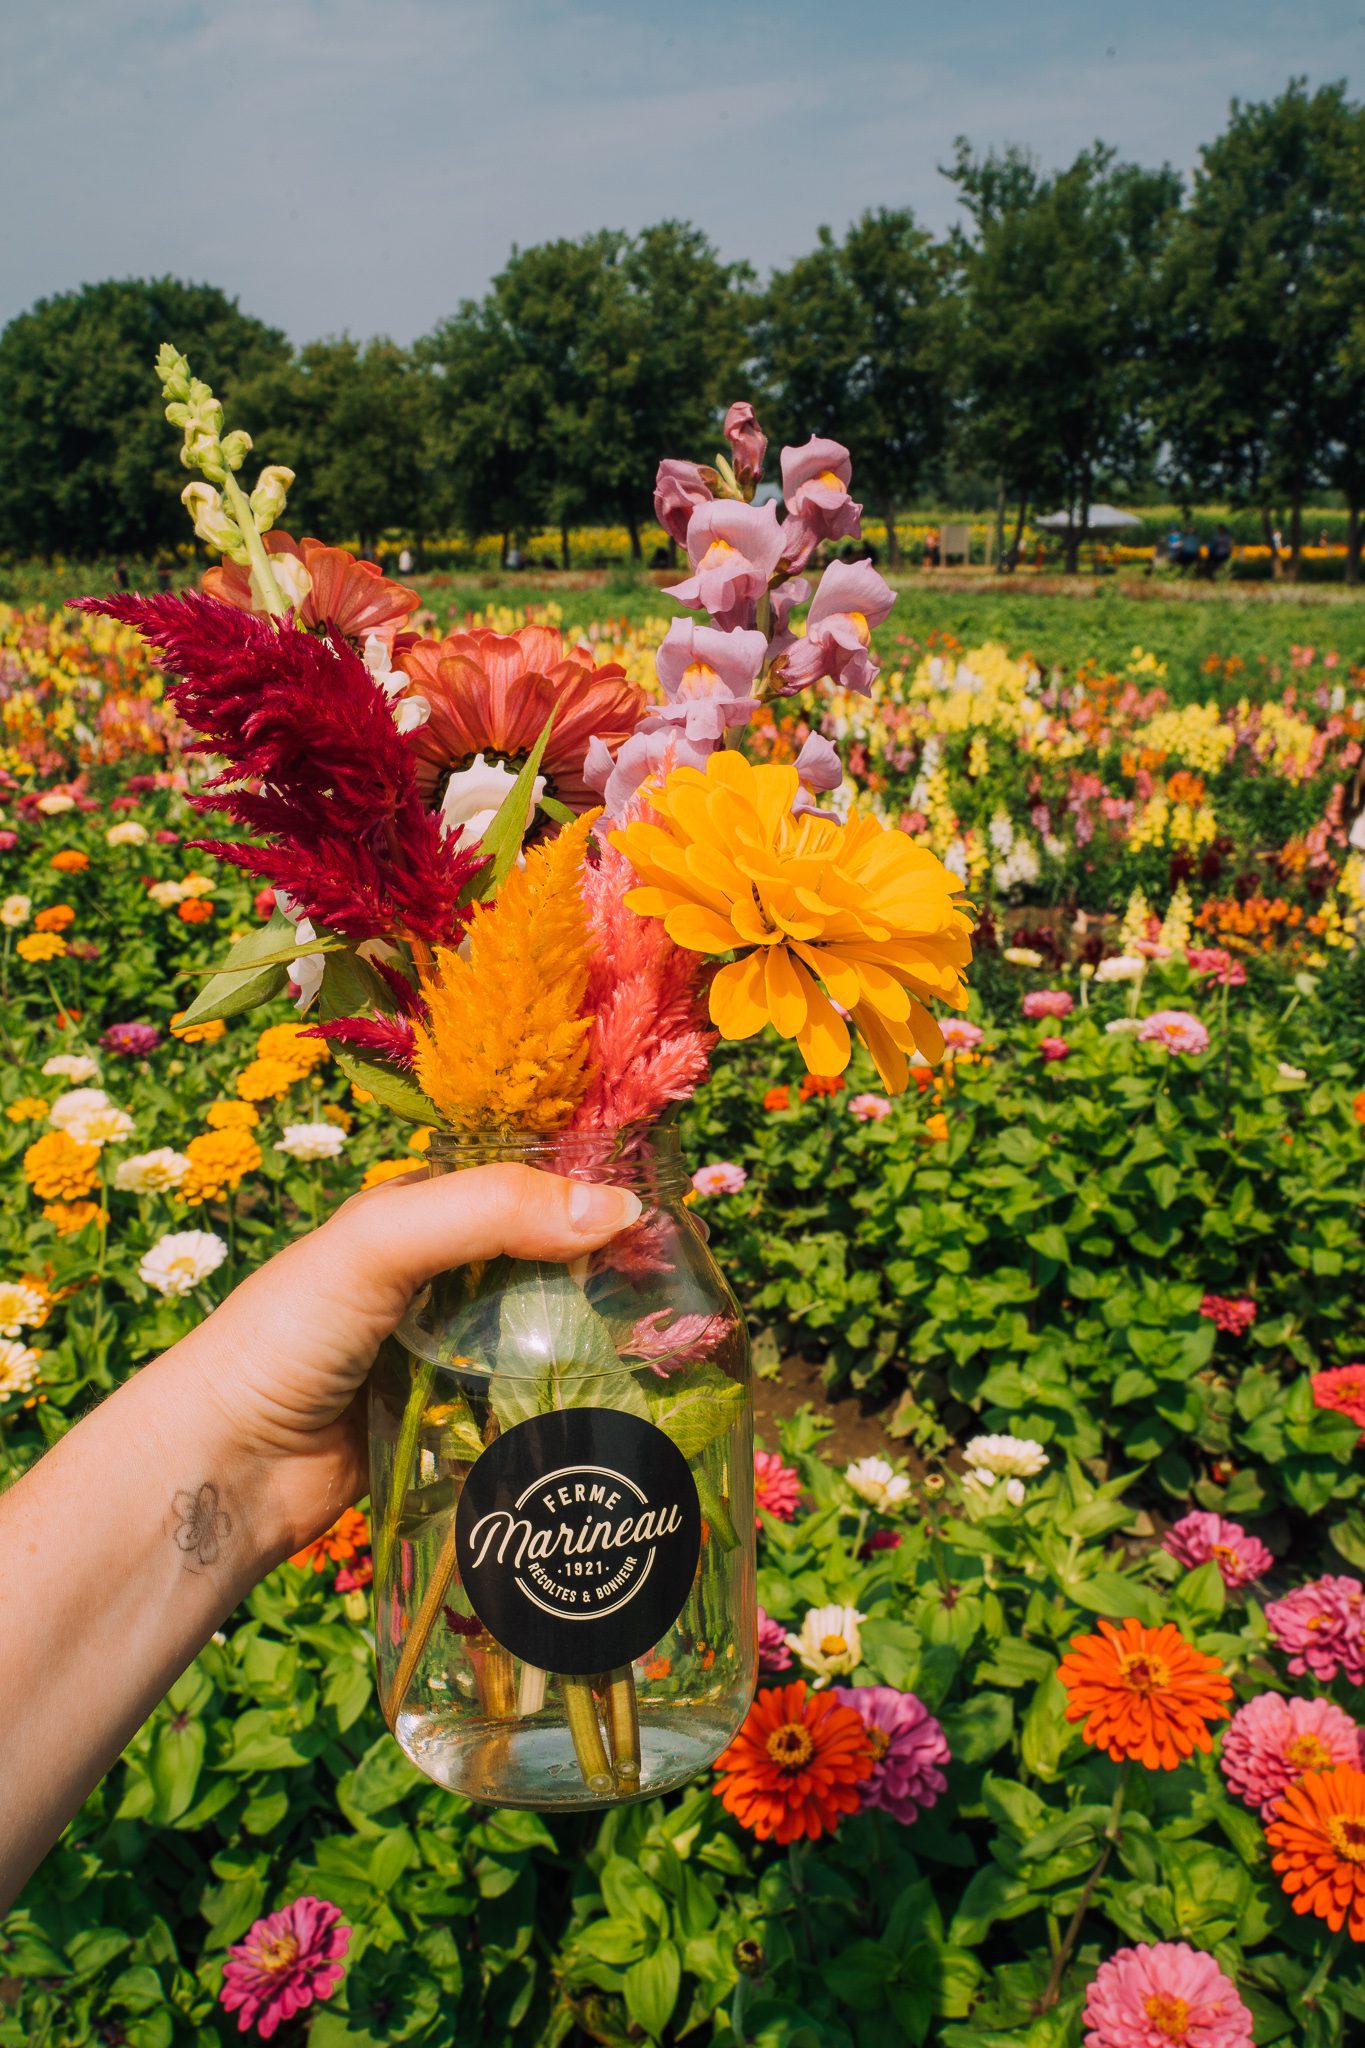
(1058, 1737)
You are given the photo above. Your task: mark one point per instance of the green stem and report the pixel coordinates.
(404, 1458)
(1072, 1935)
(1319, 1976)
(715, 1511)
(623, 1727)
(580, 1711)
(272, 597)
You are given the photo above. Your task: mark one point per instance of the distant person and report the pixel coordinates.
(1220, 548)
(406, 563)
(163, 574)
(514, 556)
(1191, 547)
(1173, 540)
(933, 548)
(121, 575)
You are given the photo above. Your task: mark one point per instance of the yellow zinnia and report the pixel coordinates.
(816, 912)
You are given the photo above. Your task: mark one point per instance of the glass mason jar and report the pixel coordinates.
(561, 1490)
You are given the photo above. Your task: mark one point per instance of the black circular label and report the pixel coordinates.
(577, 1537)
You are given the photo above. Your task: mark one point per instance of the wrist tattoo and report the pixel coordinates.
(202, 1526)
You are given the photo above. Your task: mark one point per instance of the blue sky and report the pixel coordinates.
(366, 164)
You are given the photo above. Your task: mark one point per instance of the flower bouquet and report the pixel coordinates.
(520, 896)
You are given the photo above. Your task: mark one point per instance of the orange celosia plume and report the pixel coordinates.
(506, 1047)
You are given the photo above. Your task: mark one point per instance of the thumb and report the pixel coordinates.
(394, 1238)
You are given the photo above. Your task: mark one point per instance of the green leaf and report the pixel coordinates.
(501, 843)
(256, 975)
(176, 1760)
(651, 1988)
(389, 1088)
(1110, 1594)
(696, 1407)
(561, 1349)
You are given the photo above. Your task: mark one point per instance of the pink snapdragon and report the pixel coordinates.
(851, 600)
(652, 750)
(815, 481)
(868, 1109)
(707, 679)
(1233, 1314)
(748, 442)
(1217, 964)
(1199, 1536)
(1272, 1741)
(1047, 1002)
(1164, 1992)
(911, 1750)
(1177, 1030)
(679, 487)
(820, 770)
(1322, 1627)
(734, 550)
(777, 1488)
(287, 1960)
(783, 599)
(724, 1178)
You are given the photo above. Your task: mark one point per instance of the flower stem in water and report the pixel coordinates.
(580, 1711)
(623, 1728)
(423, 1622)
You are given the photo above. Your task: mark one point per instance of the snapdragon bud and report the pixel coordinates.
(202, 450)
(174, 373)
(268, 498)
(212, 523)
(236, 447)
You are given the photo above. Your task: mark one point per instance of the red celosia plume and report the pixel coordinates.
(300, 721)
(387, 1039)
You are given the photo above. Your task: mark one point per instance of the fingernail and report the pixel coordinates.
(594, 1208)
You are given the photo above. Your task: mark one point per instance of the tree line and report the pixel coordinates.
(1089, 331)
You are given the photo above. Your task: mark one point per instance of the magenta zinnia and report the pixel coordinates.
(287, 1960)
(909, 1749)
(315, 766)
(777, 1489)
(1197, 1537)
(1322, 1626)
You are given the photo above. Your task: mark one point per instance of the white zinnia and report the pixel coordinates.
(197, 885)
(829, 1643)
(55, 803)
(1122, 967)
(72, 1066)
(1122, 1026)
(68, 1109)
(151, 1173)
(14, 911)
(1022, 956)
(878, 1483)
(19, 1304)
(18, 1367)
(127, 833)
(1288, 1073)
(106, 1126)
(181, 1260)
(312, 1141)
(1011, 1458)
(165, 894)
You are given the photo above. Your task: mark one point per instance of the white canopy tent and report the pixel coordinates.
(1099, 519)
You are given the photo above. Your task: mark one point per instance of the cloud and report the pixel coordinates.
(345, 164)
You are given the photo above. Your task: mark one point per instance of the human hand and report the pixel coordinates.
(283, 1360)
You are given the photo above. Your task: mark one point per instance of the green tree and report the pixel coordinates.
(352, 421)
(1258, 291)
(587, 361)
(855, 342)
(88, 465)
(1056, 341)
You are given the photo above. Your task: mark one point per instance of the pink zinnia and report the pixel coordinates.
(908, 1745)
(1342, 1387)
(132, 1039)
(1272, 1741)
(1218, 964)
(868, 1109)
(773, 1655)
(1322, 1626)
(1054, 1048)
(777, 1489)
(724, 1178)
(959, 1035)
(1233, 1313)
(1164, 1995)
(1197, 1537)
(1177, 1030)
(286, 1961)
(1048, 1002)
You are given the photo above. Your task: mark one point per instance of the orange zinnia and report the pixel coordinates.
(491, 693)
(354, 598)
(796, 1765)
(1143, 1694)
(1318, 1834)
(348, 1535)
